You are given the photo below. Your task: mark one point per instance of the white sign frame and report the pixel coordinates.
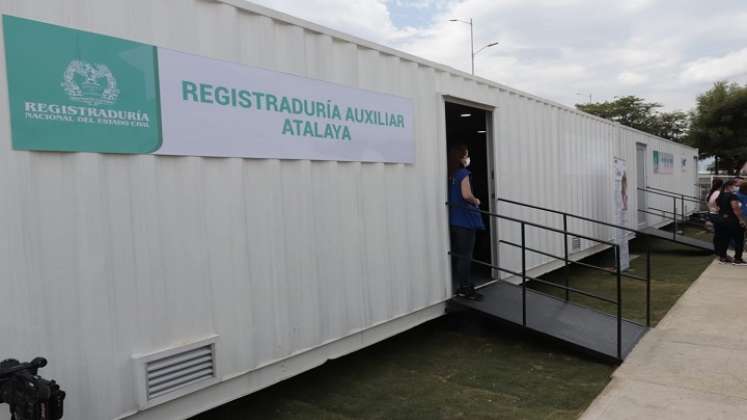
(215, 108)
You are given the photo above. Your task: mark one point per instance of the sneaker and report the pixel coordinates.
(460, 292)
(739, 261)
(725, 260)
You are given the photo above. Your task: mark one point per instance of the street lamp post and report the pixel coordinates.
(584, 95)
(473, 53)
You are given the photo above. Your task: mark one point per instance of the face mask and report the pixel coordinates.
(466, 162)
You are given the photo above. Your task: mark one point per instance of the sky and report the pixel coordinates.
(666, 51)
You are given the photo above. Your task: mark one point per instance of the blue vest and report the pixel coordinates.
(743, 199)
(462, 213)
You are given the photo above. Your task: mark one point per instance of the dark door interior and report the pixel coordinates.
(468, 126)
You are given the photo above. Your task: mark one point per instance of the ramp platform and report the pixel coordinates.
(681, 239)
(566, 321)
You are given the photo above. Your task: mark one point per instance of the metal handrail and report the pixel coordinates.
(670, 195)
(567, 260)
(538, 280)
(584, 218)
(674, 206)
(674, 193)
(566, 287)
(663, 216)
(668, 213)
(664, 211)
(579, 263)
(532, 224)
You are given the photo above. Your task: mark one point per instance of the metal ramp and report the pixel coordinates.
(676, 217)
(680, 239)
(608, 335)
(580, 326)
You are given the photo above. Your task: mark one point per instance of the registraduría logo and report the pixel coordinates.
(79, 91)
(91, 84)
(88, 86)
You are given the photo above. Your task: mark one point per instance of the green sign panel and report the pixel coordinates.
(80, 92)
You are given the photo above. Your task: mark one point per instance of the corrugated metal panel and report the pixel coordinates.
(104, 256)
(557, 158)
(679, 181)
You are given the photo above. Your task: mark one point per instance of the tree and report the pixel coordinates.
(635, 112)
(672, 125)
(719, 125)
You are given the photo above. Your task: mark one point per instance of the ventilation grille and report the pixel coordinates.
(171, 373)
(575, 243)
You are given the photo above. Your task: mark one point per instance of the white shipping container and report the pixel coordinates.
(274, 265)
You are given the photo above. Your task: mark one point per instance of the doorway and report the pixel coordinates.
(641, 184)
(471, 126)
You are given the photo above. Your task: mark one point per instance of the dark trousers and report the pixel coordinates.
(720, 238)
(726, 233)
(736, 234)
(717, 231)
(462, 248)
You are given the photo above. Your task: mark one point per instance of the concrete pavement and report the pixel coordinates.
(693, 365)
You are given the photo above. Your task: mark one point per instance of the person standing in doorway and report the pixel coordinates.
(730, 215)
(465, 220)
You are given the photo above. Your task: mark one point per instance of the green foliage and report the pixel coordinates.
(635, 112)
(672, 125)
(719, 125)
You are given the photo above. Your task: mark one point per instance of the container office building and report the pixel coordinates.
(169, 246)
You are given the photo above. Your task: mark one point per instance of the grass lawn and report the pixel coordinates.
(673, 268)
(466, 367)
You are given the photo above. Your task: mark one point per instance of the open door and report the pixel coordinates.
(471, 126)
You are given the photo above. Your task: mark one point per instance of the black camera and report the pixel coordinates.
(30, 396)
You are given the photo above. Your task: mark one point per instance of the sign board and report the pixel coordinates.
(216, 108)
(77, 91)
(621, 211)
(663, 162)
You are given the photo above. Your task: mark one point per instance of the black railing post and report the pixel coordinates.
(682, 210)
(648, 282)
(565, 247)
(619, 302)
(674, 213)
(523, 275)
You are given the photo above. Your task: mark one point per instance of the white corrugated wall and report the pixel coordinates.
(679, 181)
(106, 256)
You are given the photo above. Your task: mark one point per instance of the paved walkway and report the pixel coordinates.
(693, 365)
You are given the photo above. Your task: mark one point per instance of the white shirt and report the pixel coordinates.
(712, 206)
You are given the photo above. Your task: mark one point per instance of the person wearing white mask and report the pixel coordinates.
(464, 221)
(733, 223)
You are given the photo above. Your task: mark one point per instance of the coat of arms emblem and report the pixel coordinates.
(91, 84)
